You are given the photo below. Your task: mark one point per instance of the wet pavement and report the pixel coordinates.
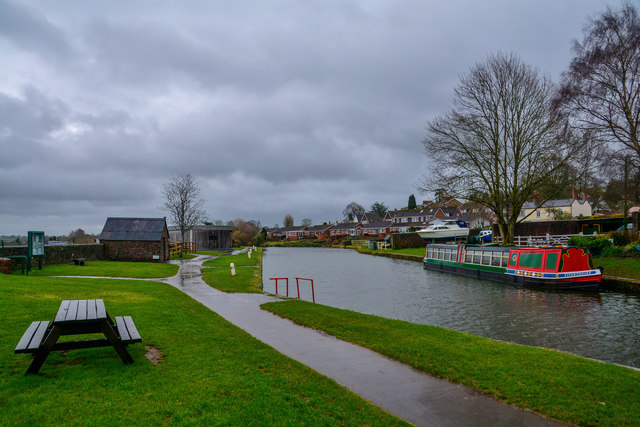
(403, 391)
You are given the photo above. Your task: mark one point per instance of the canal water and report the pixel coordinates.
(603, 326)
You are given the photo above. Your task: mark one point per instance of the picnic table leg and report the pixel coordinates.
(41, 355)
(116, 342)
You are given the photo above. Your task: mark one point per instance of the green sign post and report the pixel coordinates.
(35, 248)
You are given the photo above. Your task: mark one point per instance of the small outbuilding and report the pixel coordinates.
(206, 237)
(136, 239)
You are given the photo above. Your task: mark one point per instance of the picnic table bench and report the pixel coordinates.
(77, 317)
(79, 261)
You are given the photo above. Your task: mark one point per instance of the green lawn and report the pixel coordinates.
(238, 260)
(138, 270)
(211, 372)
(628, 267)
(248, 278)
(562, 386)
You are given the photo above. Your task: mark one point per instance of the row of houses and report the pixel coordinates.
(398, 221)
(406, 220)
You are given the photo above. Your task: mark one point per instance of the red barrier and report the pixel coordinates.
(298, 286)
(282, 278)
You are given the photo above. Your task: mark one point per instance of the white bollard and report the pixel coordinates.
(249, 253)
(233, 269)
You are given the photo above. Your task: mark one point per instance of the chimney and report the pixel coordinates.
(536, 197)
(585, 196)
(575, 193)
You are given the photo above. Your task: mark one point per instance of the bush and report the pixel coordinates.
(614, 251)
(595, 244)
(621, 238)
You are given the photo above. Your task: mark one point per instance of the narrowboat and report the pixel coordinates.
(551, 267)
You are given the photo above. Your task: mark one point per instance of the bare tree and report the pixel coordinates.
(306, 222)
(287, 221)
(353, 210)
(182, 201)
(499, 142)
(601, 89)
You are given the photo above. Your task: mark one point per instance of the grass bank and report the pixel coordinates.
(138, 270)
(559, 385)
(248, 278)
(210, 372)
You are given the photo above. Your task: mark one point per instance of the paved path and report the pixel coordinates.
(405, 392)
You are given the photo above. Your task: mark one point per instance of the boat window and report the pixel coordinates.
(505, 259)
(533, 260)
(476, 257)
(486, 258)
(450, 255)
(495, 259)
(467, 257)
(552, 260)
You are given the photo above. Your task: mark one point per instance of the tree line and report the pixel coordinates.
(511, 132)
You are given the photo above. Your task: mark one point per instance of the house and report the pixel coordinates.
(478, 215)
(346, 229)
(370, 217)
(136, 239)
(295, 232)
(319, 231)
(574, 207)
(206, 237)
(277, 233)
(378, 229)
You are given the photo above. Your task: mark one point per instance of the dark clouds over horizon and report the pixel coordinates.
(278, 107)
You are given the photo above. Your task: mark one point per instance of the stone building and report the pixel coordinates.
(136, 239)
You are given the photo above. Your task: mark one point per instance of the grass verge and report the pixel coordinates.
(248, 276)
(211, 372)
(559, 385)
(138, 270)
(620, 267)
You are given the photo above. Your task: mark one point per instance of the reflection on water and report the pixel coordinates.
(598, 325)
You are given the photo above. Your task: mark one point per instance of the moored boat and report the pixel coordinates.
(556, 267)
(448, 230)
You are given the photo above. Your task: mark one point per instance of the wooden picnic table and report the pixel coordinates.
(78, 317)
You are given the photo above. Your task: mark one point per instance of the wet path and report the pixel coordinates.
(398, 388)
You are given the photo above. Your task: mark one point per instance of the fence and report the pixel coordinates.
(548, 239)
(187, 248)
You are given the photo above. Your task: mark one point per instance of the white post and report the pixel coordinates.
(249, 253)
(233, 269)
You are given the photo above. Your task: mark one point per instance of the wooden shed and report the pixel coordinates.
(206, 237)
(136, 239)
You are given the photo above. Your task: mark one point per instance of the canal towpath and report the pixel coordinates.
(403, 391)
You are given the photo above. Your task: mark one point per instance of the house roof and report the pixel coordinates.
(142, 229)
(380, 224)
(347, 226)
(323, 227)
(553, 203)
(372, 217)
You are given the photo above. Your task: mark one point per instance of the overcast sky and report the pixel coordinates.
(275, 107)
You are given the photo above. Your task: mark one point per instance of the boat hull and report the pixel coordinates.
(496, 275)
(449, 235)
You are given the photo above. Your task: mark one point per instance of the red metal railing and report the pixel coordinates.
(282, 278)
(298, 286)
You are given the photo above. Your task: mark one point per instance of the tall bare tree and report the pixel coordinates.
(601, 89)
(287, 221)
(183, 202)
(499, 142)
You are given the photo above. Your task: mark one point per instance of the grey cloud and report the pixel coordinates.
(29, 29)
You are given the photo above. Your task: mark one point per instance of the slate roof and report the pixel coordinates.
(552, 203)
(140, 229)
